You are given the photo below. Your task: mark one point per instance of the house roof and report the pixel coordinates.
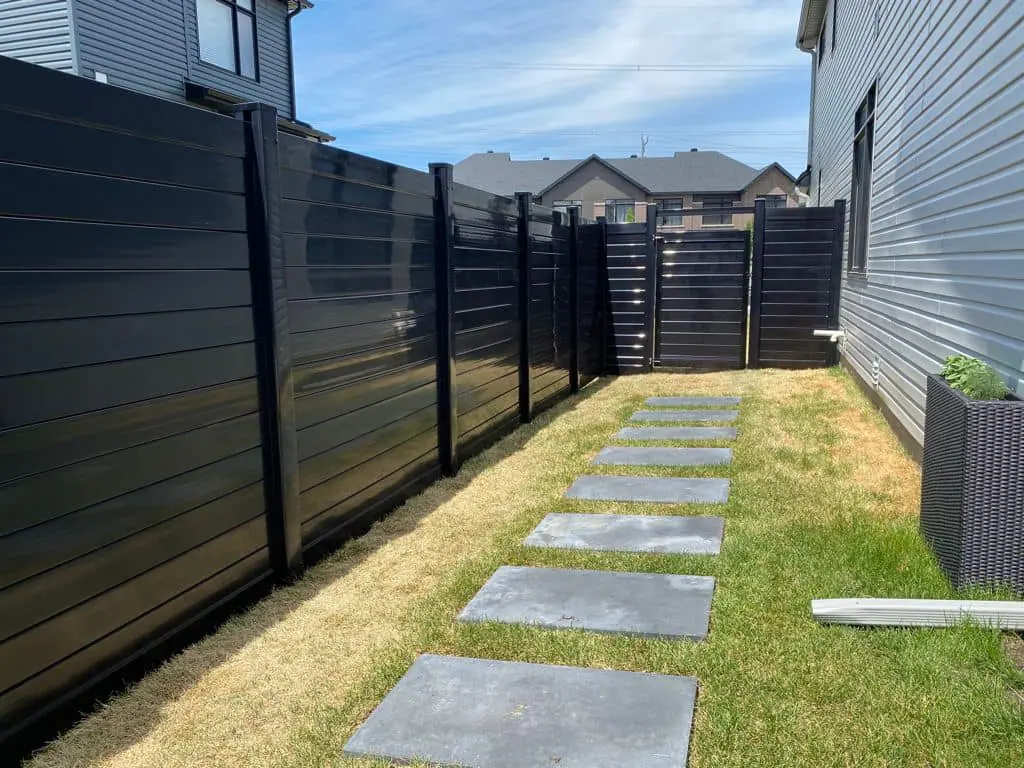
(684, 172)
(812, 16)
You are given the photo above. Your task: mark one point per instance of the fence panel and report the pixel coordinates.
(130, 461)
(486, 316)
(550, 322)
(702, 299)
(799, 281)
(592, 297)
(627, 260)
(359, 256)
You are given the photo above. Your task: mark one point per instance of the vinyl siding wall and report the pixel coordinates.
(152, 46)
(272, 41)
(37, 31)
(945, 270)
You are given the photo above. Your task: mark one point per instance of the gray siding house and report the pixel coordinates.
(212, 53)
(917, 117)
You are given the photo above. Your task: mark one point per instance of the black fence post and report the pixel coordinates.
(756, 276)
(835, 277)
(651, 260)
(574, 300)
(447, 393)
(604, 302)
(273, 340)
(525, 200)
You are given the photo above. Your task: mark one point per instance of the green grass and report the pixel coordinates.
(776, 688)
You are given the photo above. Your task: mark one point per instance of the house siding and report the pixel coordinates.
(137, 44)
(274, 87)
(593, 184)
(37, 31)
(945, 268)
(152, 46)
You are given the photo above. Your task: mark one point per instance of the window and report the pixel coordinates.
(566, 206)
(774, 201)
(227, 35)
(822, 38)
(668, 215)
(619, 211)
(717, 219)
(835, 23)
(860, 194)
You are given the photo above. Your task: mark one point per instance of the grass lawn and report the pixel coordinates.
(823, 504)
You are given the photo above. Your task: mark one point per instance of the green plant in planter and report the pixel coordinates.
(974, 378)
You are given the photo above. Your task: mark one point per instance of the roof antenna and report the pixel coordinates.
(643, 145)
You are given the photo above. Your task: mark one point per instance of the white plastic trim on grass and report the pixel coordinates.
(886, 612)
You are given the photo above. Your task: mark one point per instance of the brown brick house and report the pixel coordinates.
(620, 188)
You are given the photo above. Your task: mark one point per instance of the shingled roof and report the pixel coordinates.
(684, 172)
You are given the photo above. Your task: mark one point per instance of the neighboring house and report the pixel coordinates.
(917, 117)
(620, 188)
(212, 53)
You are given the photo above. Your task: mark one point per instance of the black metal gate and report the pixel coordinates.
(702, 299)
(710, 299)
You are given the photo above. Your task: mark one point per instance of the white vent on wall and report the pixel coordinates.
(876, 371)
(101, 77)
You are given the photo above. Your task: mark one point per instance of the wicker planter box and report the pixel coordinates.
(972, 499)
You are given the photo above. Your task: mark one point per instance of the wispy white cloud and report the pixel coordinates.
(456, 76)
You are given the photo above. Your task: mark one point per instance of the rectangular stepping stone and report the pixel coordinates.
(630, 533)
(663, 457)
(684, 416)
(645, 604)
(504, 714)
(663, 490)
(692, 402)
(676, 433)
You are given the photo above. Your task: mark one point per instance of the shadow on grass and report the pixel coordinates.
(213, 638)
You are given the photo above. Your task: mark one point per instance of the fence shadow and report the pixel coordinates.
(112, 725)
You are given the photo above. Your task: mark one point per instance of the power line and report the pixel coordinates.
(634, 68)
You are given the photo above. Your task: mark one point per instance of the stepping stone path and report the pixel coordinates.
(663, 457)
(684, 416)
(659, 490)
(501, 714)
(676, 433)
(495, 714)
(645, 604)
(630, 533)
(692, 402)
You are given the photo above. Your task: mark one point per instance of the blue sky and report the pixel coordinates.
(419, 81)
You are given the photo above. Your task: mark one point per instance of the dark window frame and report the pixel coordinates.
(835, 23)
(236, 42)
(669, 212)
(822, 39)
(860, 191)
(717, 219)
(615, 204)
(773, 201)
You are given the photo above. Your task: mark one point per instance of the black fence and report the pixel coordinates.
(228, 349)
(631, 269)
(702, 298)
(796, 280)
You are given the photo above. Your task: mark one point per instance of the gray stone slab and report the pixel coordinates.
(501, 714)
(684, 416)
(692, 402)
(676, 433)
(663, 490)
(630, 533)
(663, 457)
(645, 604)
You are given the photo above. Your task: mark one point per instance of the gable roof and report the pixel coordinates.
(592, 159)
(684, 172)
